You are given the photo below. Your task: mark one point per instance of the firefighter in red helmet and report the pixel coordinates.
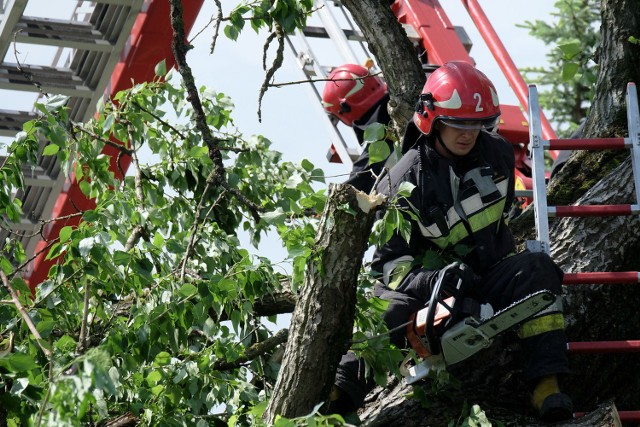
(463, 187)
(358, 99)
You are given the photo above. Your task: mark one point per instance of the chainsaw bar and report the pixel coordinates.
(517, 313)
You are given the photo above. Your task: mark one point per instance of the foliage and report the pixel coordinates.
(569, 79)
(164, 309)
(290, 14)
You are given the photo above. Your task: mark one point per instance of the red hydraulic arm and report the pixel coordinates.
(504, 60)
(148, 44)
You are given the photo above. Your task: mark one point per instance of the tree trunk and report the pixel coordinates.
(395, 54)
(322, 322)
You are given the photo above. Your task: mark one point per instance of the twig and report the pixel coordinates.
(82, 339)
(26, 74)
(217, 29)
(180, 53)
(136, 164)
(277, 63)
(160, 119)
(254, 351)
(194, 228)
(108, 142)
(297, 82)
(24, 264)
(24, 314)
(46, 396)
(254, 208)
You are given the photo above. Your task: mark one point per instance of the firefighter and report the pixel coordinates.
(464, 187)
(358, 99)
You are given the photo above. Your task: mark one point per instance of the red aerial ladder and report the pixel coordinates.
(148, 44)
(100, 45)
(437, 41)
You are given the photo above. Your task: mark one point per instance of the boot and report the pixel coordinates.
(551, 404)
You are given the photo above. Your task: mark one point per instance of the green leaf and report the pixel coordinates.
(274, 217)
(55, 102)
(157, 390)
(121, 258)
(378, 152)
(405, 189)
(18, 362)
(50, 150)
(307, 165)
(187, 290)
(158, 240)
(197, 152)
(19, 385)
(374, 132)
(283, 422)
(90, 216)
(45, 327)
(108, 124)
(162, 359)
(571, 48)
(85, 246)
(161, 68)
(569, 70)
(154, 377)
(231, 32)
(6, 266)
(65, 233)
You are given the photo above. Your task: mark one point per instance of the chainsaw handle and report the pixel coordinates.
(430, 333)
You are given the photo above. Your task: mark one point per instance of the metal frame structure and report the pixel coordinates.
(118, 42)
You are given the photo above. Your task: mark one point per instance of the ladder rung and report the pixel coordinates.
(625, 416)
(589, 144)
(629, 416)
(601, 278)
(604, 346)
(592, 210)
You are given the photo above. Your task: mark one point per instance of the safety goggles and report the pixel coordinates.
(471, 124)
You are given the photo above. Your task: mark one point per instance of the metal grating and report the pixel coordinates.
(89, 45)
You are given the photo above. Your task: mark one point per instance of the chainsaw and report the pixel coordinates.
(439, 335)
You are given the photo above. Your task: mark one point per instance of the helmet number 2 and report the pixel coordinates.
(478, 105)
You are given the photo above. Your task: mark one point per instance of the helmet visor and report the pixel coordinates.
(471, 124)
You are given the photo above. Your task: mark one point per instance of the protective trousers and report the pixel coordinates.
(510, 280)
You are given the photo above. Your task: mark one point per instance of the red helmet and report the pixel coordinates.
(352, 92)
(457, 93)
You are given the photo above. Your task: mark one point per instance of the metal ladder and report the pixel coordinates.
(347, 46)
(542, 211)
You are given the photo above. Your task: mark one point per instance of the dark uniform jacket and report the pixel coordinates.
(359, 177)
(459, 202)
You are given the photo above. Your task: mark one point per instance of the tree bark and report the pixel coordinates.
(322, 322)
(395, 54)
